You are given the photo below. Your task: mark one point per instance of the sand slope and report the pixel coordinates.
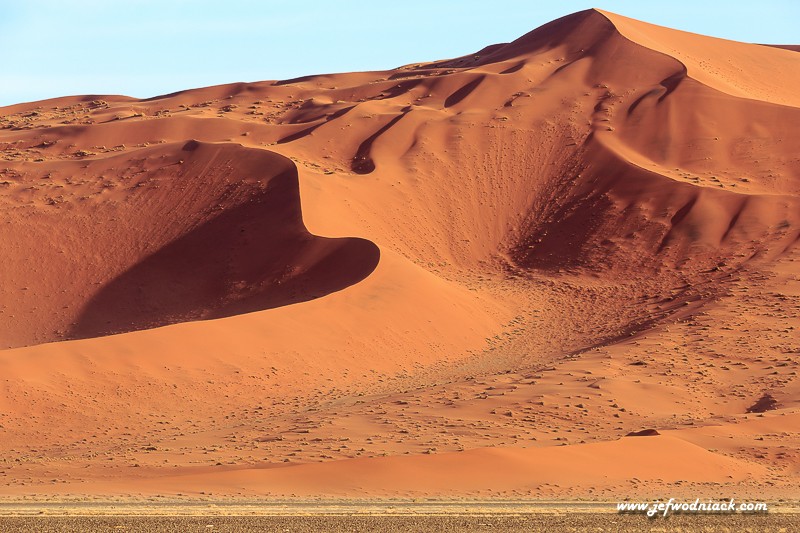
(491, 267)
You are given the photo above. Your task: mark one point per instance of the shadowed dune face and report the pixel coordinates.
(249, 258)
(178, 232)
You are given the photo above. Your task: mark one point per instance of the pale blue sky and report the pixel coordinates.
(144, 48)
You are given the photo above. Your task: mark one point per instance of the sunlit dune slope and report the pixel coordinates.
(588, 231)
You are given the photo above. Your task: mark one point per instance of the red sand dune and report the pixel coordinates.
(487, 269)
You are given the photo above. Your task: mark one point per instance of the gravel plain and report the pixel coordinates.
(531, 523)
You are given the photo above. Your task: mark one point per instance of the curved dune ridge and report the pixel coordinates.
(586, 232)
(175, 232)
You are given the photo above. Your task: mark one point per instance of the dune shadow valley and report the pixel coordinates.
(561, 268)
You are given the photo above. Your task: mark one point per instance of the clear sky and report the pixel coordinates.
(144, 48)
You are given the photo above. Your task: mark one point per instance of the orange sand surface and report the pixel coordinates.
(466, 278)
